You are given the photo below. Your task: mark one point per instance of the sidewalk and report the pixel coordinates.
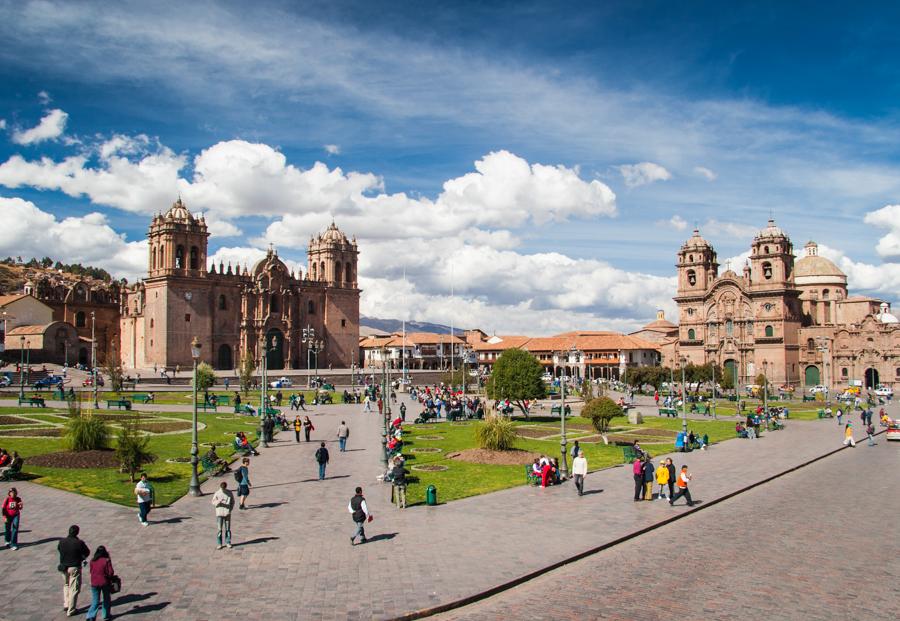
(293, 557)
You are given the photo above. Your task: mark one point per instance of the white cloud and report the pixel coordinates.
(729, 229)
(2, 123)
(705, 172)
(636, 175)
(888, 217)
(30, 232)
(676, 222)
(44, 98)
(51, 127)
(332, 149)
(883, 279)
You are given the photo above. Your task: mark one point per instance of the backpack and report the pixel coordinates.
(237, 476)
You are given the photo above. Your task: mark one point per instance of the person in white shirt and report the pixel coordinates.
(223, 501)
(360, 512)
(144, 492)
(579, 470)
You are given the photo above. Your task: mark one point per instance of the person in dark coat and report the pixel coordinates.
(322, 460)
(671, 468)
(649, 476)
(72, 553)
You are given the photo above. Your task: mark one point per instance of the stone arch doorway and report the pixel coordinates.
(731, 371)
(871, 378)
(225, 361)
(82, 355)
(275, 349)
(812, 377)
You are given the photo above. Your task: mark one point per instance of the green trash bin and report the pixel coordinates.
(431, 495)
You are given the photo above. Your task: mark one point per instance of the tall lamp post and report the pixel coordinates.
(714, 389)
(385, 398)
(94, 359)
(309, 339)
(24, 344)
(6, 318)
(766, 392)
(683, 362)
(563, 462)
(194, 488)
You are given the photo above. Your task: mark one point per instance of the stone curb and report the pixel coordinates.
(476, 597)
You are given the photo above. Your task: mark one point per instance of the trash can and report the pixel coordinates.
(431, 495)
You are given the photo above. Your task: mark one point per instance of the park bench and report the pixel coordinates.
(206, 407)
(223, 400)
(629, 454)
(457, 414)
(424, 417)
(821, 414)
(808, 398)
(531, 477)
(11, 473)
(668, 412)
(119, 403)
(32, 401)
(214, 469)
(703, 409)
(142, 398)
(556, 409)
(243, 408)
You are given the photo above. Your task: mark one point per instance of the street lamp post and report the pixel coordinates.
(94, 359)
(24, 344)
(309, 339)
(194, 488)
(714, 390)
(683, 361)
(6, 318)
(384, 458)
(766, 392)
(563, 462)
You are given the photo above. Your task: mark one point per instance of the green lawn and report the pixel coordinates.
(463, 479)
(169, 479)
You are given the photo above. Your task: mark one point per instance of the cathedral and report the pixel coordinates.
(237, 312)
(791, 320)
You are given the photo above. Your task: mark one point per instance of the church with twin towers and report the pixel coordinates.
(237, 311)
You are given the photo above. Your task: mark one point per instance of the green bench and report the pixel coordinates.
(556, 409)
(119, 403)
(33, 401)
(821, 414)
(668, 412)
(628, 454)
(11, 473)
(531, 477)
(243, 408)
(142, 398)
(212, 467)
(223, 400)
(808, 398)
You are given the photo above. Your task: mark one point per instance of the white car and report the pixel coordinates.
(884, 391)
(282, 382)
(547, 377)
(818, 389)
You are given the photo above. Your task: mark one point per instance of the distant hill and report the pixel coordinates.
(389, 326)
(14, 273)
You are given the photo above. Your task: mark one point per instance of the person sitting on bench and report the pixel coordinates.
(14, 465)
(213, 457)
(740, 430)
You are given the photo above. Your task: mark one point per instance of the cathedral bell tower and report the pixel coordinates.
(178, 243)
(332, 258)
(697, 266)
(771, 259)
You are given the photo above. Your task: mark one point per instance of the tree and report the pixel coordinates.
(587, 390)
(206, 377)
(761, 380)
(112, 366)
(246, 372)
(496, 433)
(131, 447)
(727, 380)
(601, 411)
(517, 377)
(454, 378)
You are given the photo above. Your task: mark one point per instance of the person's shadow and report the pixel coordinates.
(251, 542)
(381, 537)
(592, 491)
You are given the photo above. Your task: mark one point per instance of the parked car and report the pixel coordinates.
(47, 382)
(818, 389)
(546, 377)
(89, 381)
(4, 381)
(281, 382)
(884, 391)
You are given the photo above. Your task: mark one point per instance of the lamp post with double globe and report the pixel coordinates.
(194, 487)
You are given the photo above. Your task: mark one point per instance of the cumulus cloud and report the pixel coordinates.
(888, 217)
(729, 229)
(30, 232)
(50, 127)
(676, 222)
(705, 172)
(332, 149)
(2, 123)
(44, 98)
(644, 173)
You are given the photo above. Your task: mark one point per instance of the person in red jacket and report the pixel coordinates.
(102, 575)
(12, 511)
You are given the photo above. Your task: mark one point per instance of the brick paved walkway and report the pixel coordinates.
(293, 559)
(809, 545)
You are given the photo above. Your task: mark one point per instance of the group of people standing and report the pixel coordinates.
(665, 476)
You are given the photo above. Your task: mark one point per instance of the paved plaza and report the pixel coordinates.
(293, 560)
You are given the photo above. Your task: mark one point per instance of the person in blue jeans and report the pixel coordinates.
(12, 512)
(102, 574)
(322, 459)
(343, 433)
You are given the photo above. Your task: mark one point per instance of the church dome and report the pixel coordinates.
(660, 323)
(812, 266)
(771, 231)
(885, 316)
(178, 211)
(696, 241)
(334, 234)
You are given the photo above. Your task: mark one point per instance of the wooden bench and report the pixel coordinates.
(32, 401)
(119, 403)
(821, 414)
(142, 398)
(223, 400)
(668, 412)
(808, 398)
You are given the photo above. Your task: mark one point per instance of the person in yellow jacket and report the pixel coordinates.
(662, 478)
(848, 435)
(298, 427)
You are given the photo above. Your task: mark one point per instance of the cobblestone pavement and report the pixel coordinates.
(818, 543)
(293, 558)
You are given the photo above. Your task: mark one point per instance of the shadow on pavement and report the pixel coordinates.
(268, 505)
(381, 537)
(592, 491)
(327, 478)
(139, 610)
(131, 598)
(173, 520)
(28, 544)
(255, 541)
(277, 484)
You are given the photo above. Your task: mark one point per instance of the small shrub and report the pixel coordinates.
(85, 432)
(601, 411)
(131, 448)
(496, 433)
(206, 377)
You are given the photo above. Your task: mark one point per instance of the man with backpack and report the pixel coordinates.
(242, 478)
(322, 460)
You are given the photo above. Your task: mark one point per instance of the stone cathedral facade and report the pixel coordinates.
(236, 311)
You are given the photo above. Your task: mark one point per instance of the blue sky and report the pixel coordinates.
(546, 160)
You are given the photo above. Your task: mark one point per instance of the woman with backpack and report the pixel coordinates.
(102, 579)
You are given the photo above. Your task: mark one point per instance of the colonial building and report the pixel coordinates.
(29, 331)
(415, 350)
(790, 320)
(236, 312)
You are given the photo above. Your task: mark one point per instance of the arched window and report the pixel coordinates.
(766, 250)
(729, 327)
(810, 344)
(338, 271)
(179, 257)
(348, 278)
(223, 304)
(692, 277)
(770, 331)
(311, 308)
(195, 258)
(767, 269)
(161, 258)
(80, 319)
(897, 373)
(844, 372)
(824, 294)
(153, 258)
(274, 304)
(322, 270)
(313, 272)
(690, 258)
(151, 323)
(691, 334)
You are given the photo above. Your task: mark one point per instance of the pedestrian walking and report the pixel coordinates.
(223, 501)
(637, 470)
(12, 513)
(227, 383)
(649, 476)
(398, 479)
(242, 477)
(301, 401)
(298, 425)
(840, 413)
(343, 433)
(662, 479)
(144, 492)
(684, 478)
(870, 431)
(579, 471)
(367, 404)
(670, 466)
(848, 435)
(307, 427)
(322, 460)
(576, 448)
(403, 412)
(102, 578)
(360, 513)
(72, 553)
